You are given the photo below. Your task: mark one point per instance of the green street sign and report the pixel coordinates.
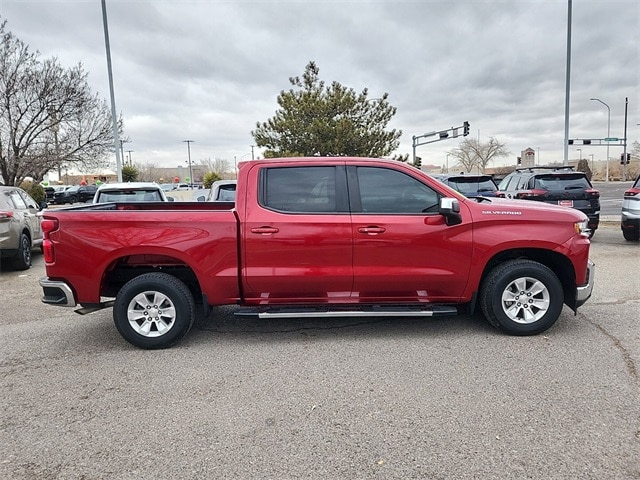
(613, 139)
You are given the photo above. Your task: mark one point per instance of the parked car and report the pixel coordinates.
(19, 226)
(220, 191)
(49, 192)
(630, 223)
(76, 193)
(556, 185)
(471, 185)
(130, 192)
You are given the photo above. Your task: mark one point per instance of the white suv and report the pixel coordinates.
(130, 192)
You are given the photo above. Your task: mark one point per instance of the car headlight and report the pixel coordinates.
(582, 228)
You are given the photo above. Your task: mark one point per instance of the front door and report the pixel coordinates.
(402, 249)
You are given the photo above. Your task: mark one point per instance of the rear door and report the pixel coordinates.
(296, 237)
(403, 250)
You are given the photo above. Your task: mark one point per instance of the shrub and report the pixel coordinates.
(35, 190)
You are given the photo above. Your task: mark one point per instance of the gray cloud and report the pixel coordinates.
(209, 70)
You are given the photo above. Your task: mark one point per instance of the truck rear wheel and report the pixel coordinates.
(521, 297)
(154, 310)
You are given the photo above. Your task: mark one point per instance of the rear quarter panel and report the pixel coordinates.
(87, 243)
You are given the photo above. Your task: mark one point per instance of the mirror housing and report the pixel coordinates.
(450, 210)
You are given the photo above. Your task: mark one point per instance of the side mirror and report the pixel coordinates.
(201, 198)
(450, 210)
(43, 205)
(171, 199)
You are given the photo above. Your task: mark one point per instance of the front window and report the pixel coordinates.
(383, 190)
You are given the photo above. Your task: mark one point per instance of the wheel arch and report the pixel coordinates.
(559, 264)
(127, 267)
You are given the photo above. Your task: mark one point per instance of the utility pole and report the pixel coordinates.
(189, 142)
(114, 119)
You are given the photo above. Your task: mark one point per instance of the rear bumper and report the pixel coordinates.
(583, 292)
(56, 292)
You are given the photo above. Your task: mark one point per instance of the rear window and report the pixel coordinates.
(561, 182)
(299, 189)
(472, 185)
(130, 196)
(227, 193)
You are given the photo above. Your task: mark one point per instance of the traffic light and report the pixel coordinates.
(622, 160)
(465, 132)
(519, 160)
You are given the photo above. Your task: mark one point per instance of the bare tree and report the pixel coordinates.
(48, 115)
(149, 172)
(472, 153)
(219, 166)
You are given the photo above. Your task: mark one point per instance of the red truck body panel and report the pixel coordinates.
(256, 255)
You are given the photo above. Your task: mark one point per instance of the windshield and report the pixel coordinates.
(472, 185)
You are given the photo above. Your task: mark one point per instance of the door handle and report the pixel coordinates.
(372, 230)
(265, 230)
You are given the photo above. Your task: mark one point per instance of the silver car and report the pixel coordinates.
(19, 226)
(630, 223)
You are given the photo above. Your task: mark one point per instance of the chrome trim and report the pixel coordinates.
(583, 292)
(65, 290)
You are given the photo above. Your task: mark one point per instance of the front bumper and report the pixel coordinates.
(583, 292)
(57, 292)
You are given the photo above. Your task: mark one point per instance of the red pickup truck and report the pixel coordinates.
(319, 237)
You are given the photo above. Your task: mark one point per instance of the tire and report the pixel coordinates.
(73, 199)
(502, 291)
(154, 310)
(631, 236)
(22, 260)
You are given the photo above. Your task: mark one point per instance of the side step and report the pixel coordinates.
(345, 311)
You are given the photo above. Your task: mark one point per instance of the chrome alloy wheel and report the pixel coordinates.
(525, 300)
(151, 314)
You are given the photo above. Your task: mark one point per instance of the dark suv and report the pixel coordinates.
(82, 193)
(557, 185)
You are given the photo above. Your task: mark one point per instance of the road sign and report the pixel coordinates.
(612, 139)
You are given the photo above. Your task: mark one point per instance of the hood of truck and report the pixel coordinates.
(524, 209)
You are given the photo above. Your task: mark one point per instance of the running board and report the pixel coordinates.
(344, 312)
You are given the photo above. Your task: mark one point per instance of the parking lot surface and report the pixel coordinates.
(444, 398)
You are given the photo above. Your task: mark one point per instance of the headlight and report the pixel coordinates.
(582, 228)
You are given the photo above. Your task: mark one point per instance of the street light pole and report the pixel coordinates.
(579, 153)
(189, 142)
(608, 134)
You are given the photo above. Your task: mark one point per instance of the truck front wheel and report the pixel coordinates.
(154, 310)
(521, 297)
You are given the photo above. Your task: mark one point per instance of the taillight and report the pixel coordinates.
(5, 215)
(48, 225)
(592, 192)
(47, 250)
(530, 194)
(499, 194)
(632, 193)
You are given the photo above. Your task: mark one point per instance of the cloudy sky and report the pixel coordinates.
(207, 71)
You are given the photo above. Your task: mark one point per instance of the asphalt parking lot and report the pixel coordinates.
(445, 398)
